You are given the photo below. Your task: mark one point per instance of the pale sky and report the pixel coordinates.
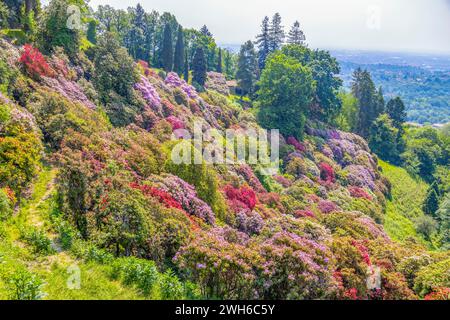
(390, 25)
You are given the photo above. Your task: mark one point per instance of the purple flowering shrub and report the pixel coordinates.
(174, 81)
(185, 194)
(149, 93)
(217, 82)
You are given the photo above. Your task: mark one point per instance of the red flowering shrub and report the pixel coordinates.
(357, 192)
(363, 251)
(304, 214)
(297, 145)
(34, 62)
(168, 108)
(439, 294)
(163, 197)
(244, 195)
(327, 173)
(175, 122)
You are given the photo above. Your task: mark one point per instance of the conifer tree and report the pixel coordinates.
(263, 43)
(247, 68)
(276, 33)
(167, 48)
(219, 62)
(370, 101)
(186, 68)
(296, 35)
(205, 31)
(199, 67)
(396, 110)
(179, 53)
(431, 203)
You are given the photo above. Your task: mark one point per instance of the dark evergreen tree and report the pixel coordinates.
(204, 30)
(219, 61)
(247, 68)
(383, 138)
(167, 49)
(186, 68)
(91, 32)
(396, 110)
(179, 53)
(276, 33)
(296, 35)
(263, 43)
(369, 101)
(199, 67)
(431, 203)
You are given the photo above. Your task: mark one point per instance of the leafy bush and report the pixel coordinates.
(136, 272)
(34, 62)
(38, 240)
(432, 277)
(23, 285)
(170, 286)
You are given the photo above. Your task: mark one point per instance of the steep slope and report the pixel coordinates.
(122, 203)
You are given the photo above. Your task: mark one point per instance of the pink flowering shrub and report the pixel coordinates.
(297, 145)
(327, 173)
(304, 214)
(326, 206)
(221, 264)
(186, 196)
(357, 192)
(360, 176)
(34, 62)
(250, 177)
(175, 122)
(250, 223)
(285, 182)
(174, 81)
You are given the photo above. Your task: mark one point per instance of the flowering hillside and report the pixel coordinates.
(114, 200)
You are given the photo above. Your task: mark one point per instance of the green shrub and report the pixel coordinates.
(23, 285)
(136, 272)
(170, 286)
(5, 206)
(433, 276)
(38, 240)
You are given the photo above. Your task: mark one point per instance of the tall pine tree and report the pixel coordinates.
(178, 65)
(396, 110)
(199, 67)
(276, 33)
(167, 48)
(263, 42)
(296, 35)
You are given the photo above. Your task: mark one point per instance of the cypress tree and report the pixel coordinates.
(167, 48)
(219, 61)
(199, 67)
(179, 53)
(396, 110)
(186, 68)
(91, 32)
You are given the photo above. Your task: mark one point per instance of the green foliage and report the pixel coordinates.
(180, 55)
(426, 226)
(247, 68)
(114, 69)
(431, 203)
(5, 205)
(167, 49)
(199, 67)
(383, 138)
(286, 89)
(23, 285)
(432, 277)
(136, 272)
(38, 240)
(170, 286)
(347, 119)
(53, 31)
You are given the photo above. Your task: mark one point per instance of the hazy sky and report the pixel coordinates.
(394, 25)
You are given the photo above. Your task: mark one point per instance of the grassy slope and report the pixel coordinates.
(406, 204)
(53, 269)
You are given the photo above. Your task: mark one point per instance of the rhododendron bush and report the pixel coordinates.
(34, 62)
